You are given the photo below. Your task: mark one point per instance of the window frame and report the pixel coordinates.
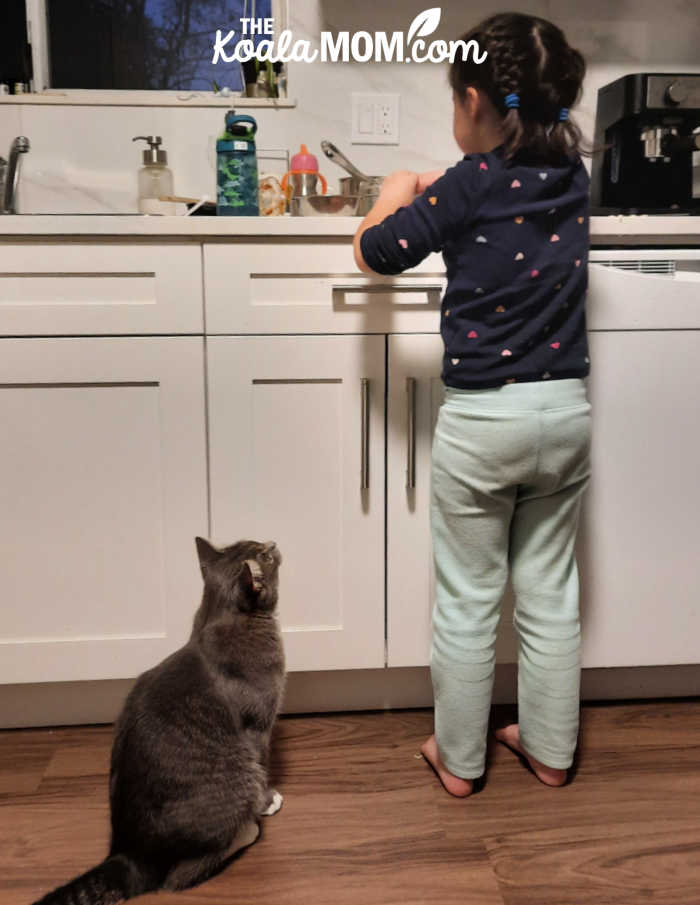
(38, 38)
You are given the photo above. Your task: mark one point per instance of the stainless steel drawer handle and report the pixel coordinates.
(411, 433)
(364, 479)
(405, 285)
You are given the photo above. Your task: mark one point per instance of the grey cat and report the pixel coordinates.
(189, 769)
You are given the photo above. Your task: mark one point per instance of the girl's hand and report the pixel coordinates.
(399, 188)
(426, 179)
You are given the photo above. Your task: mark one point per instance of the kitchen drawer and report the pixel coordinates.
(67, 288)
(313, 286)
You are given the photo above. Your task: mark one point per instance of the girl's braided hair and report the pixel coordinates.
(530, 57)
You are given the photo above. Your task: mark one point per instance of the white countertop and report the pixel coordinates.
(635, 229)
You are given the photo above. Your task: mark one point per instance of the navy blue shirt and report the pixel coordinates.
(514, 237)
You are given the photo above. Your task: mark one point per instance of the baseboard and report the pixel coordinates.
(80, 703)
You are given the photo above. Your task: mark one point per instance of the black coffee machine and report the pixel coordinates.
(647, 119)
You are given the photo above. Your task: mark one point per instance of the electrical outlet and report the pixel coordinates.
(375, 119)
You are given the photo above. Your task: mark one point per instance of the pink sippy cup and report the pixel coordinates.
(305, 174)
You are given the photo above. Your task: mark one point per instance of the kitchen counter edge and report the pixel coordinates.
(626, 230)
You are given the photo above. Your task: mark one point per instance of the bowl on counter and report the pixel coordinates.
(324, 205)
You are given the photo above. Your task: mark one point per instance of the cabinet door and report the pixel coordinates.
(639, 542)
(415, 396)
(102, 491)
(286, 446)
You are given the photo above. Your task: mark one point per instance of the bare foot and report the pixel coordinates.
(455, 785)
(550, 776)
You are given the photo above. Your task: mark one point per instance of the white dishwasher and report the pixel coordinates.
(639, 543)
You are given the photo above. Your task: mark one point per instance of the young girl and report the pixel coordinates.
(510, 455)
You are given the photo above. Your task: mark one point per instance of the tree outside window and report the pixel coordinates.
(158, 45)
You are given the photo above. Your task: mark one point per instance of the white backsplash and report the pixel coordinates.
(82, 159)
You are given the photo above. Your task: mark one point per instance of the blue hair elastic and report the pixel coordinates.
(564, 113)
(512, 100)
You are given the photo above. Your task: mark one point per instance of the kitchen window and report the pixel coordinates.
(150, 51)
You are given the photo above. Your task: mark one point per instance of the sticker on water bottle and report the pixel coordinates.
(240, 146)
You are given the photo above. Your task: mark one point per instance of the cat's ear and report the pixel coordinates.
(251, 577)
(206, 553)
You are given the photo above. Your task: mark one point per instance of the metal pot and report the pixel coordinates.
(366, 187)
(352, 185)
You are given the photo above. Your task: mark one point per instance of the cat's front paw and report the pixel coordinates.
(274, 805)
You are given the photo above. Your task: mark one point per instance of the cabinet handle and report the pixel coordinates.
(411, 433)
(375, 286)
(406, 283)
(364, 481)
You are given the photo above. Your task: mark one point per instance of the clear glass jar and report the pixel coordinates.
(155, 181)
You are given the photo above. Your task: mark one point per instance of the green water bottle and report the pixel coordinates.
(237, 168)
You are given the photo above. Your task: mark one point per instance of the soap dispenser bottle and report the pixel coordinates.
(155, 178)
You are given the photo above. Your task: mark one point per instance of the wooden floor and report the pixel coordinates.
(366, 822)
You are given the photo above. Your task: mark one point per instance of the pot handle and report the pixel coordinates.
(332, 153)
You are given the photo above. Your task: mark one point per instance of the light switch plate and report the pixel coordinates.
(375, 119)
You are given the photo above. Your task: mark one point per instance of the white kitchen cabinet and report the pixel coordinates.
(102, 491)
(81, 289)
(104, 474)
(288, 437)
(414, 398)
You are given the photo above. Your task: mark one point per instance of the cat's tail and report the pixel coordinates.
(115, 879)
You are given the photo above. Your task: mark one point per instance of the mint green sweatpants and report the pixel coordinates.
(509, 468)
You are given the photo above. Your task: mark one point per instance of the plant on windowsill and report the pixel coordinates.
(262, 78)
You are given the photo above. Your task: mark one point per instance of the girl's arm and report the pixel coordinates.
(398, 190)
